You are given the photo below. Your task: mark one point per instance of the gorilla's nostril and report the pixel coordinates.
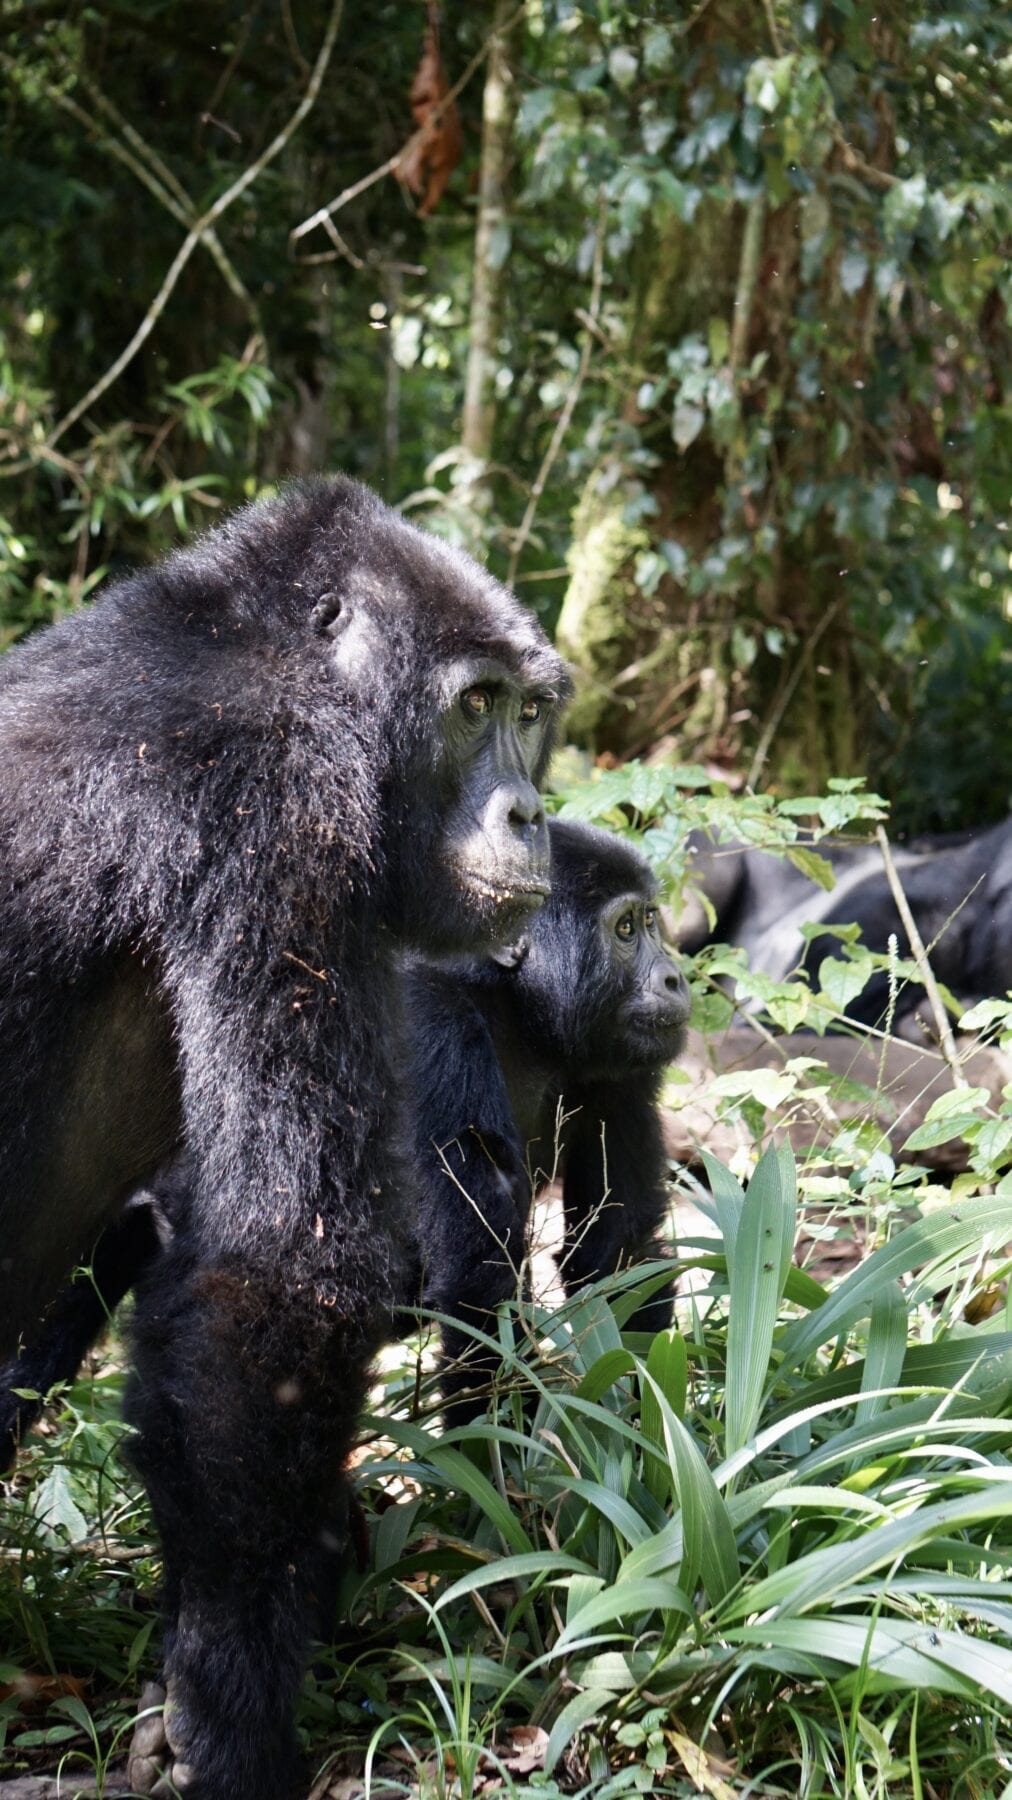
(526, 808)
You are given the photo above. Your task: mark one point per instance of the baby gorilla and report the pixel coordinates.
(575, 1023)
(539, 1061)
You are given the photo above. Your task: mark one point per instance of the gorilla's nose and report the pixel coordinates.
(672, 989)
(525, 808)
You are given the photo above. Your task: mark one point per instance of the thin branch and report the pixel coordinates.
(693, 19)
(946, 1041)
(193, 237)
(359, 187)
(748, 270)
(858, 165)
(291, 38)
(569, 405)
(148, 169)
(787, 694)
(772, 27)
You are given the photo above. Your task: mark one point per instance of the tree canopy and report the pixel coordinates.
(693, 319)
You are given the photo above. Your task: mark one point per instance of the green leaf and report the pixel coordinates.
(584, 1705)
(943, 1237)
(614, 1507)
(943, 1131)
(624, 1600)
(758, 1269)
(957, 1100)
(816, 867)
(463, 1475)
(604, 1373)
(687, 423)
(889, 1647)
(825, 1574)
(842, 980)
(667, 1366)
(513, 1568)
(708, 1546)
(719, 339)
(994, 1140)
(887, 1347)
(54, 1504)
(728, 1200)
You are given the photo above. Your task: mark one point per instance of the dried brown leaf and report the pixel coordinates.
(700, 1767)
(431, 155)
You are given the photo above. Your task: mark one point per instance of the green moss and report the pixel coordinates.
(594, 621)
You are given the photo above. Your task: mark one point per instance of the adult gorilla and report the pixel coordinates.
(578, 1019)
(229, 788)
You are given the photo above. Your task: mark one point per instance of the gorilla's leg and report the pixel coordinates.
(247, 1391)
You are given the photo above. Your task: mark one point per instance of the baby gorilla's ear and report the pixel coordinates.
(510, 956)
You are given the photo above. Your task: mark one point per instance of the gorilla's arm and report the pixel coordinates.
(614, 1188)
(474, 1190)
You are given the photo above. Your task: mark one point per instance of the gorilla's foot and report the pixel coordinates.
(153, 1765)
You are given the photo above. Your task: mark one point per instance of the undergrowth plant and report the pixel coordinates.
(747, 1549)
(769, 1550)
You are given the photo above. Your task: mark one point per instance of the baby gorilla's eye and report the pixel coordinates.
(530, 712)
(650, 917)
(477, 701)
(626, 928)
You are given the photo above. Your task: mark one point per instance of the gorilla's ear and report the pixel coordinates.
(344, 621)
(510, 956)
(329, 616)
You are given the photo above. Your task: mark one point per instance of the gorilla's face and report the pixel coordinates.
(495, 727)
(650, 999)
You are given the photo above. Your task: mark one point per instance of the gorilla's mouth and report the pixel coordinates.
(528, 891)
(667, 1029)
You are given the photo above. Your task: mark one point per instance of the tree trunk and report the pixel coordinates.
(758, 673)
(491, 248)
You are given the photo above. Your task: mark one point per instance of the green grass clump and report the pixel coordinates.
(766, 1552)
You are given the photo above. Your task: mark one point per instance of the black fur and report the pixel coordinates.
(230, 789)
(549, 1062)
(959, 889)
(496, 1043)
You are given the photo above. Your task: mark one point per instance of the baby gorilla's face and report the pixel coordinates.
(650, 1000)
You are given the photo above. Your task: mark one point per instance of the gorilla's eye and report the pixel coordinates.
(530, 712)
(477, 701)
(650, 917)
(626, 928)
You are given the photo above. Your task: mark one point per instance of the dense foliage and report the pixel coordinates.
(746, 290)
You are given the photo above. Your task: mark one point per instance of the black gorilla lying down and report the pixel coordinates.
(231, 787)
(586, 1011)
(540, 1060)
(959, 891)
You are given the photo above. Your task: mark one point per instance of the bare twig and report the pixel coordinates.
(946, 1041)
(367, 181)
(49, 1787)
(569, 404)
(772, 27)
(194, 236)
(291, 38)
(693, 19)
(748, 269)
(859, 165)
(148, 169)
(787, 693)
